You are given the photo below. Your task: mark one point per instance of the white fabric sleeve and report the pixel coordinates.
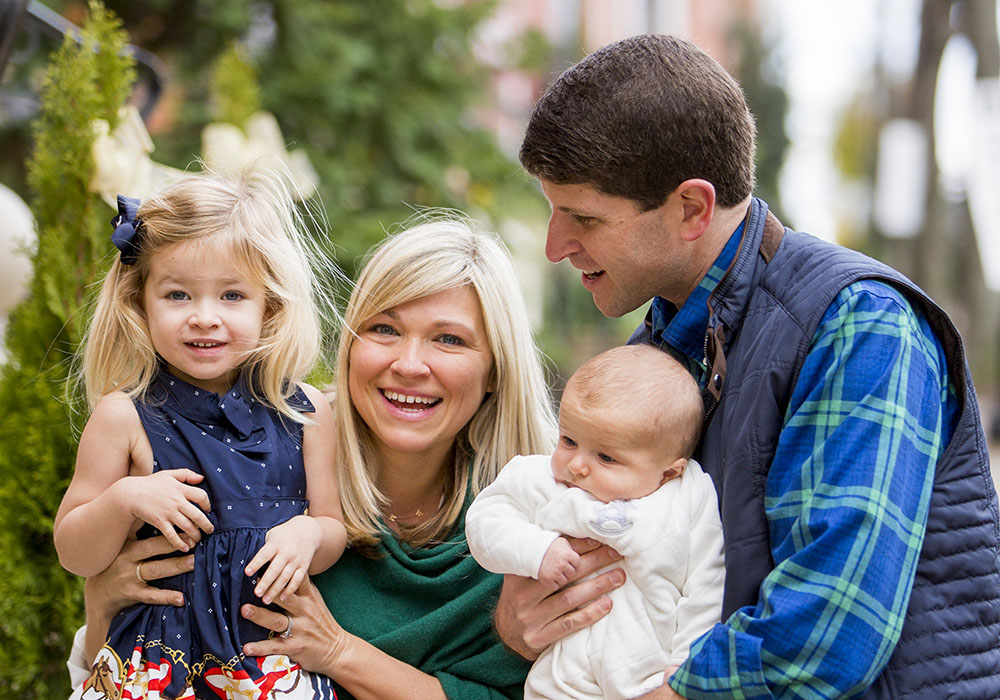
(79, 671)
(700, 605)
(500, 524)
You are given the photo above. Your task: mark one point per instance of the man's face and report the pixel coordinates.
(626, 256)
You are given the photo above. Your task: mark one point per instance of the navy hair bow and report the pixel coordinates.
(127, 229)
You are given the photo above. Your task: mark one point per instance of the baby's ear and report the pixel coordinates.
(674, 470)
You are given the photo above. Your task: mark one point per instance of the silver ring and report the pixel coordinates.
(288, 630)
(138, 573)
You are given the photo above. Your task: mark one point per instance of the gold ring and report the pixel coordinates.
(138, 573)
(288, 630)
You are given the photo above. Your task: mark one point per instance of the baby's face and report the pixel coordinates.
(595, 455)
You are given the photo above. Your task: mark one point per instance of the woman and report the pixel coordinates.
(438, 385)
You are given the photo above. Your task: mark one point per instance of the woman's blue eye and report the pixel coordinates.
(382, 329)
(449, 339)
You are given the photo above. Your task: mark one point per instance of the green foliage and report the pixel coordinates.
(40, 604)
(769, 103)
(235, 90)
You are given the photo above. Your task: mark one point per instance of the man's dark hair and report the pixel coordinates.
(640, 116)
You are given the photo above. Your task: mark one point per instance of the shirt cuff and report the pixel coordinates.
(79, 671)
(722, 650)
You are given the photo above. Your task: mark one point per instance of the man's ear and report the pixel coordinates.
(675, 469)
(697, 202)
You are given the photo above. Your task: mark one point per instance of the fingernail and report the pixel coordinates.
(617, 578)
(247, 611)
(604, 605)
(179, 601)
(267, 600)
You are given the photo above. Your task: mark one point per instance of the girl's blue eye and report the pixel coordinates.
(568, 441)
(232, 296)
(607, 459)
(177, 296)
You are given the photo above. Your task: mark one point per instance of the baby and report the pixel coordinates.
(622, 475)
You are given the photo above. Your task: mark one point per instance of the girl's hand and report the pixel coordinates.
(288, 551)
(166, 500)
(317, 641)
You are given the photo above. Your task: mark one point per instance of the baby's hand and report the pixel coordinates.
(559, 564)
(166, 500)
(289, 548)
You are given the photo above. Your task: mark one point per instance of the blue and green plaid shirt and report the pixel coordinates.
(846, 498)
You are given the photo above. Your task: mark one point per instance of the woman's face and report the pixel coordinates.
(418, 373)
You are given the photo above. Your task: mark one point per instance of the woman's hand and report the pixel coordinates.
(119, 586)
(317, 642)
(530, 616)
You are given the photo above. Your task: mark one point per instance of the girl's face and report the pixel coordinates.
(204, 315)
(418, 373)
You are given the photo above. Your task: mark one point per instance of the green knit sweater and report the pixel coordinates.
(430, 607)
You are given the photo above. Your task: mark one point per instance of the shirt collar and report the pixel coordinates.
(684, 328)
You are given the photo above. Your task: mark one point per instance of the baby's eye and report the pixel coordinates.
(177, 295)
(568, 441)
(607, 459)
(233, 296)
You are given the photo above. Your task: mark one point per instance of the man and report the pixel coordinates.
(842, 430)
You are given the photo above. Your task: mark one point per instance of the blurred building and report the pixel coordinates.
(573, 28)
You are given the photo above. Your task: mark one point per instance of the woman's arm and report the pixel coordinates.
(319, 644)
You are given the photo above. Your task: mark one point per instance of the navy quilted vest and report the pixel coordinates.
(765, 312)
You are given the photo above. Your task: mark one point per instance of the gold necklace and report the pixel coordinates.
(418, 514)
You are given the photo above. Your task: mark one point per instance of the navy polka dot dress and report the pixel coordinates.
(255, 478)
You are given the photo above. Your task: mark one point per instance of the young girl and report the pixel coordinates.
(201, 429)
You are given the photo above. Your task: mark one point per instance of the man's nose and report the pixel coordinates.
(559, 241)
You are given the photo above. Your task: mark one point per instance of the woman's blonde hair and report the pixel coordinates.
(251, 217)
(443, 252)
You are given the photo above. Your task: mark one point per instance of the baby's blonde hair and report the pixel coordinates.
(649, 395)
(250, 216)
(444, 252)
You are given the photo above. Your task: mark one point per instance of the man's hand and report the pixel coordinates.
(530, 616)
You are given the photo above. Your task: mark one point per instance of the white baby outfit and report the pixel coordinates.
(671, 541)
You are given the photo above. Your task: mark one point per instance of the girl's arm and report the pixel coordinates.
(102, 503)
(306, 543)
(321, 645)
(319, 451)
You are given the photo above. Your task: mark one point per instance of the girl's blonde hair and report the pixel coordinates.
(444, 252)
(250, 216)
